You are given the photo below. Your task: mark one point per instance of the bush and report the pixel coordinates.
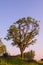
(5, 55)
(30, 55)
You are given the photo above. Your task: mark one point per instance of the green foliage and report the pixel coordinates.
(16, 61)
(30, 55)
(13, 61)
(5, 55)
(2, 49)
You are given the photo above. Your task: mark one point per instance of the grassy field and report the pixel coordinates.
(16, 61)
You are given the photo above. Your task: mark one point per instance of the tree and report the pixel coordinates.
(2, 49)
(23, 32)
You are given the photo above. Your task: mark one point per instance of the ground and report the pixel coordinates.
(17, 61)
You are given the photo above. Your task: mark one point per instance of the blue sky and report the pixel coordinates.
(12, 10)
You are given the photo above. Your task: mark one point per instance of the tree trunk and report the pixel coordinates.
(22, 54)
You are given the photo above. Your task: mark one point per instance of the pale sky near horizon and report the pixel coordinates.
(11, 11)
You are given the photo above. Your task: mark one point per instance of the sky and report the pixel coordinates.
(11, 11)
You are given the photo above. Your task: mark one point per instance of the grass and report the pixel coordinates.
(16, 61)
